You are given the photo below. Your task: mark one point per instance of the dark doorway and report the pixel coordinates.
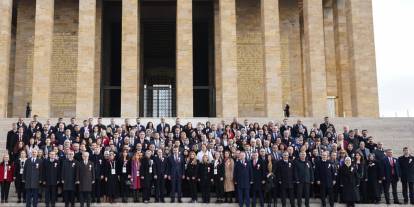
(203, 61)
(111, 59)
(158, 37)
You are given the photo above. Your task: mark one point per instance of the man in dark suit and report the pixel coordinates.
(177, 125)
(161, 126)
(286, 179)
(51, 178)
(98, 160)
(12, 138)
(325, 178)
(32, 177)
(304, 178)
(113, 126)
(407, 175)
(69, 173)
(391, 176)
(139, 127)
(243, 178)
(175, 174)
(326, 125)
(160, 163)
(86, 177)
(259, 177)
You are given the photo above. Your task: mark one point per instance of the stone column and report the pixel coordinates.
(228, 59)
(315, 58)
(86, 59)
(271, 58)
(6, 8)
(130, 59)
(342, 59)
(362, 58)
(184, 55)
(42, 60)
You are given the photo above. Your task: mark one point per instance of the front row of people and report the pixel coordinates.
(261, 177)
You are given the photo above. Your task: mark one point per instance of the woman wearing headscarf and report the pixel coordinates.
(348, 179)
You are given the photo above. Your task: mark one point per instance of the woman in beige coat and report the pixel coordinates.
(228, 177)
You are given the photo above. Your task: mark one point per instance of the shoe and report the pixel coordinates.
(180, 201)
(172, 201)
(397, 202)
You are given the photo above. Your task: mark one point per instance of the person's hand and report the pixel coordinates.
(211, 180)
(142, 177)
(44, 182)
(183, 177)
(379, 181)
(165, 176)
(342, 186)
(155, 176)
(334, 182)
(318, 182)
(221, 179)
(188, 178)
(63, 182)
(102, 177)
(169, 177)
(263, 182)
(77, 182)
(199, 180)
(235, 183)
(251, 182)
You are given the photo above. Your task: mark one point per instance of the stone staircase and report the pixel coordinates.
(395, 133)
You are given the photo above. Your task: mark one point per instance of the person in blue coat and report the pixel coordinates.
(175, 174)
(391, 176)
(243, 177)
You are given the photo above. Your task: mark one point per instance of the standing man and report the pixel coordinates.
(407, 175)
(325, 178)
(304, 178)
(86, 177)
(161, 165)
(51, 178)
(243, 177)
(175, 174)
(69, 174)
(32, 177)
(391, 176)
(259, 177)
(286, 179)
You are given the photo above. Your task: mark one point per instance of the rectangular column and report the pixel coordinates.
(130, 59)
(6, 8)
(271, 58)
(362, 58)
(342, 59)
(42, 62)
(86, 59)
(228, 59)
(315, 58)
(184, 55)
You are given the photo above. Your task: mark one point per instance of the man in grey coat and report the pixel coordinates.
(86, 177)
(32, 175)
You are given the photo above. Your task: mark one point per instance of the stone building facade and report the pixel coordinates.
(219, 58)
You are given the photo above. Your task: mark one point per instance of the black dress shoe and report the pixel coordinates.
(172, 201)
(180, 201)
(397, 202)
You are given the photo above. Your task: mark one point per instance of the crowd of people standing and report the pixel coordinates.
(246, 162)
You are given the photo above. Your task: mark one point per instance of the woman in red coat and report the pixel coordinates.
(6, 177)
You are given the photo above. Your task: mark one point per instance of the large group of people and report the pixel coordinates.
(243, 162)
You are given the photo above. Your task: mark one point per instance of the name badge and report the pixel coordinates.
(138, 173)
(113, 171)
(90, 167)
(21, 171)
(123, 169)
(208, 169)
(215, 171)
(150, 169)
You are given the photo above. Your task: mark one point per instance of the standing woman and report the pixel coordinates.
(18, 176)
(205, 178)
(191, 175)
(218, 176)
(147, 174)
(362, 177)
(6, 177)
(228, 177)
(374, 175)
(270, 186)
(348, 181)
(124, 173)
(111, 178)
(135, 175)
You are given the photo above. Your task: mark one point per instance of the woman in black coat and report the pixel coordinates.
(124, 171)
(218, 176)
(348, 181)
(147, 171)
(191, 175)
(362, 177)
(374, 175)
(205, 172)
(18, 174)
(111, 178)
